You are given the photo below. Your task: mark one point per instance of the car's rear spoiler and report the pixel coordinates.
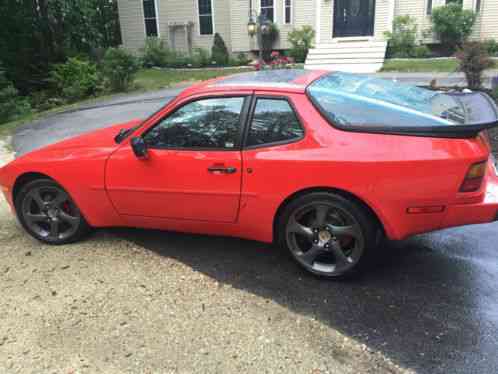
(481, 113)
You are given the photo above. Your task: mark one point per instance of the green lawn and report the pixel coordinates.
(444, 65)
(153, 79)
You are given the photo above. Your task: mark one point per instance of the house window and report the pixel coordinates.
(287, 11)
(205, 17)
(267, 9)
(458, 2)
(150, 18)
(429, 7)
(478, 6)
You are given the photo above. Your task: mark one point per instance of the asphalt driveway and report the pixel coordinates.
(430, 304)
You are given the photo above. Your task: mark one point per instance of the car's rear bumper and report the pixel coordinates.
(482, 212)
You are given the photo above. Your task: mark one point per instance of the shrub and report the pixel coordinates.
(452, 24)
(421, 51)
(219, 51)
(155, 53)
(200, 58)
(402, 40)
(302, 41)
(11, 104)
(473, 60)
(75, 79)
(491, 46)
(44, 100)
(119, 68)
(243, 59)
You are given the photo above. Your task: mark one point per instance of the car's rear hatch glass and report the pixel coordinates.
(367, 104)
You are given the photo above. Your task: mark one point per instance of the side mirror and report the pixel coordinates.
(139, 147)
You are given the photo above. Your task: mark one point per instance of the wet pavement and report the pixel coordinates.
(429, 303)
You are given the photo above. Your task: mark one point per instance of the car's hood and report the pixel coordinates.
(99, 142)
(102, 138)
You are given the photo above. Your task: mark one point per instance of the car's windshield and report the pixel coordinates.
(351, 100)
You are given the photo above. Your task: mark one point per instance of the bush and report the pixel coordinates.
(421, 51)
(44, 100)
(301, 41)
(155, 53)
(219, 51)
(75, 79)
(119, 68)
(491, 46)
(11, 104)
(452, 24)
(243, 59)
(402, 39)
(473, 60)
(200, 58)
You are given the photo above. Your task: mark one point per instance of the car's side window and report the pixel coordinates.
(273, 121)
(206, 123)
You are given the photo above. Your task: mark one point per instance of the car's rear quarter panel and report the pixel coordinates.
(388, 172)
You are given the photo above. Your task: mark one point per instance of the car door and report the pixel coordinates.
(193, 166)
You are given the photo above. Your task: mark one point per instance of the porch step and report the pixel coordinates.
(351, 56)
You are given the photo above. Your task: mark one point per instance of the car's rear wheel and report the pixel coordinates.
(327, 234)
(48, 213)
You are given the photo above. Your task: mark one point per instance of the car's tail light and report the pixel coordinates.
(474, 177)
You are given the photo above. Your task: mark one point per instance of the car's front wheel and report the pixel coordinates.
(48, 213)
(327, 234)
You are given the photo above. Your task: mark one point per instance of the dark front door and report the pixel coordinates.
(354, 18)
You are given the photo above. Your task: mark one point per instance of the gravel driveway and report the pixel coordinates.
(111, 305)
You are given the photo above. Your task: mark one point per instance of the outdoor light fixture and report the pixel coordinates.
(252, 27)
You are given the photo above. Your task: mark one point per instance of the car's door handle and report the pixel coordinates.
(222, 169)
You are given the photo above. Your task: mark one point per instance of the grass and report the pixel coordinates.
(443, 65)
(422, 65)
(153, 79)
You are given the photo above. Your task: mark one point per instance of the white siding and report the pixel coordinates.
(382, 17)
(131, 18)
(416, 9)
(489, 19)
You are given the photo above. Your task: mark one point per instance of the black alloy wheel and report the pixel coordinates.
(327, 234)
(49, 214)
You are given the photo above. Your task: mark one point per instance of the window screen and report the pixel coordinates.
(273, 121)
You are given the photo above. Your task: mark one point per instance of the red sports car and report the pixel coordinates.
(325, 164)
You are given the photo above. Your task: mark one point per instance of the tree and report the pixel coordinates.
(219, 51)
(452, 24)
(38, 33)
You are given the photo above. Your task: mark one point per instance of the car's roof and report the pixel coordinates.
(281, 80)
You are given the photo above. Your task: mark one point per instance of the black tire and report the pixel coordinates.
(48, 213)
(339, 247)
